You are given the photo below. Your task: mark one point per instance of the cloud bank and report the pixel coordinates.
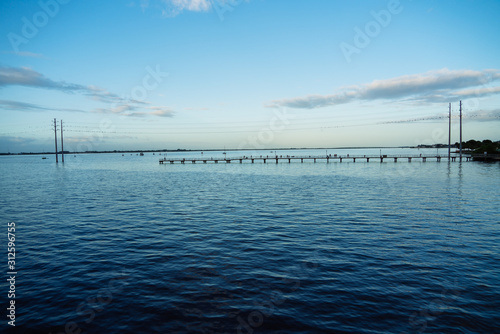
(431, 87)
(23, 76)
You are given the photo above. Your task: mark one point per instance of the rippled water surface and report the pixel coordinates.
(120, 244)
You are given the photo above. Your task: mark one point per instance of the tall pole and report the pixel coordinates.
(55, 136)
(62, 143)
(460, 130)
(449, 135)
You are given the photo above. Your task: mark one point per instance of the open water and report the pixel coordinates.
(107, 243)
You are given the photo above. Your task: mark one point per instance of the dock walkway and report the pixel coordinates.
(302, 159)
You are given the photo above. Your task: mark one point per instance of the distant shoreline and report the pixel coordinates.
(229, 150)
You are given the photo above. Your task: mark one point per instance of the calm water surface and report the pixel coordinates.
(120, 244)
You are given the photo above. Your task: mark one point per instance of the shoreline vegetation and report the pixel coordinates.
(471, 146)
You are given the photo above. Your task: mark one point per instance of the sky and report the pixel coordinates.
(246, 74)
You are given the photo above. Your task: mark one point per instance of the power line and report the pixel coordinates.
(237, 127)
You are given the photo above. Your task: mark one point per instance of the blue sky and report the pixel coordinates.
(191, 74)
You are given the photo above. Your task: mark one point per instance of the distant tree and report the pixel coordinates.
(472, 144)
(488, 146)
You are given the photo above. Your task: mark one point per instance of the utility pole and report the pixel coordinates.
(62, 143)
(460, 131)
(449, 135)
(55, 136)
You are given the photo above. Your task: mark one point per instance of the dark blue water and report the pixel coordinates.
(120, 244)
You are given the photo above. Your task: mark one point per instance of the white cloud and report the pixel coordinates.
(434, 86)
(171, 8)
(23, 76)
(477, 92)
(25, 106)
(154, 111)
(193, 5)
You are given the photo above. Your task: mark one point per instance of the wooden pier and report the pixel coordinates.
(310, 158)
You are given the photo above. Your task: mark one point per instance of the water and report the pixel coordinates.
(120, 244)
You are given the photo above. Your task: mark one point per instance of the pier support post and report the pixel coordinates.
(395, 159)
(301, 160)
(353, 159)
(409, 159)
(216, 161)
(367, 159)
(204, 161)
(264, 160)
(252, 160)
(340, 159)
(381, 159)
(276, 160)
(424, 159)
(241, 161)
(289, 160)
(314, 160)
